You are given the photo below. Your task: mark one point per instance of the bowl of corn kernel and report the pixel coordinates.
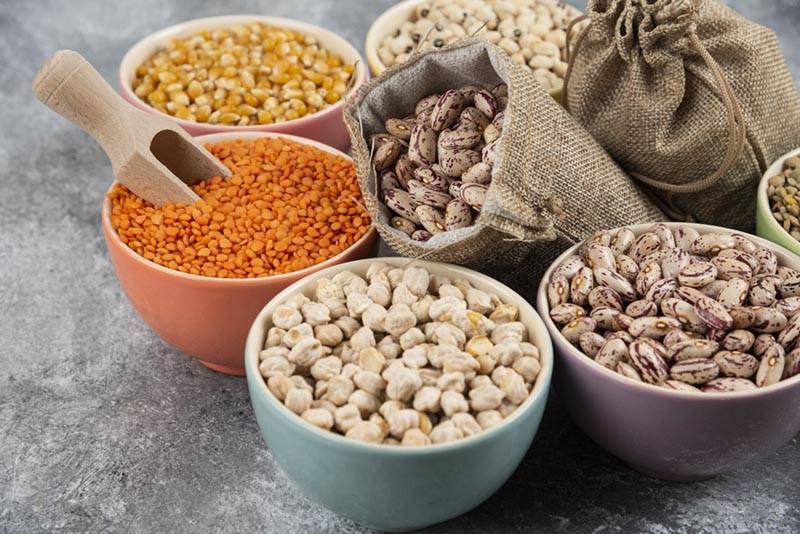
(245, 73)
(199, 274)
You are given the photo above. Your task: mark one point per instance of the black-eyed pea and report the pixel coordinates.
(445, 432)
(453, 402)
(298, 400)
(466, 423)
(339, 390)
(274, 337)
(318, 417)
(279, 385)
(489, 418)
(365, 431)
(286, 317)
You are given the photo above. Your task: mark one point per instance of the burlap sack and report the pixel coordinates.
(689, 97)
(548, 164)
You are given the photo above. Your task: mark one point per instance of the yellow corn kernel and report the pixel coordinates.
(194, 89)
(229, 118)
(202, 113)
(264, 117)
(332, 97)
(157, 97)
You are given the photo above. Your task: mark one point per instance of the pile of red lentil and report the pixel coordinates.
(287, 206)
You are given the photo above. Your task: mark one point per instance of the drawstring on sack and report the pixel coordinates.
(734, 116)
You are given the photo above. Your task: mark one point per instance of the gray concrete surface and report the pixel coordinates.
(103, 427)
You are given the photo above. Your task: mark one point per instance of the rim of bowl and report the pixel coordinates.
(390, 20)
(540, 388)
(574, 352)
(763, 201)
(154, 41)
(233, 136)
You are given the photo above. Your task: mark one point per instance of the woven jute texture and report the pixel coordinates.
(547, 164)
(640, 84)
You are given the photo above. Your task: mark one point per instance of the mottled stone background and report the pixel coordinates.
(105, 427)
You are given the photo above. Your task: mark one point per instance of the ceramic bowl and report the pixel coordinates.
(389, 21)
(390, 487)
(208, 318)
(325, 126)
(672, 435)
(766, 225)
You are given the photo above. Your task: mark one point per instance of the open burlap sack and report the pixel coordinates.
(689, 97)
(552, 184)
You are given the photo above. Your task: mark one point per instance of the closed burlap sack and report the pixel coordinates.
(689, 97)
(547, 165)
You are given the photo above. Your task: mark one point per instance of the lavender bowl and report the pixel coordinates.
(668, 434)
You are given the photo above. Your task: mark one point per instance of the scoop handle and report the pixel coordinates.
(71, 87)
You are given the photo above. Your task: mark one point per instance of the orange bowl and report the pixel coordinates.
(209, 318)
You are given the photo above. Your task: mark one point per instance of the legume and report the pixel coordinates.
(532, 32)
(253, 74)
(784, 198)
(288, 206)
(399, 357)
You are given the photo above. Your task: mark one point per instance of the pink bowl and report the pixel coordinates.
(208, 318)
(325, 126)
(668, 434)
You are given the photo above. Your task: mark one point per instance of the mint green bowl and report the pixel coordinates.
(389, 487)
(766, 225)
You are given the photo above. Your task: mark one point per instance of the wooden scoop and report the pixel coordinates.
(150, 155)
